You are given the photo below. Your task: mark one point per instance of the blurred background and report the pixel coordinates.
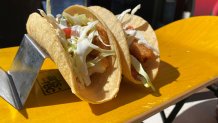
(158, 13)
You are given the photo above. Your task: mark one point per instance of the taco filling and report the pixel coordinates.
(139, 48)
(86, 40)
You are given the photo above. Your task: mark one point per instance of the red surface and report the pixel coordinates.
(203, 7)
(215, 9)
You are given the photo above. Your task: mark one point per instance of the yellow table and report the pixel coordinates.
(188, 63)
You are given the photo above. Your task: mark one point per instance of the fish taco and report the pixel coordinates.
(138, 44)
(83, 49)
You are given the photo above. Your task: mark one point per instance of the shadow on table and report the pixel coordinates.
(50, 89)
(130, 92)
(167, 74)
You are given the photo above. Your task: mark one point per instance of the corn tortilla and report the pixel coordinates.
(116, 28)
(105, 86)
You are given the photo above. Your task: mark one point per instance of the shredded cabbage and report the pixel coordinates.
(144, 76)
(90, 26)
(99, 67)
(132, 32)
(83, 47)
(77, 29)
(142, 40)
(135, 9)
(79, 58)
(99, 58)
(80, 19)
(63, 22)
(131, 35)
(80, 45)
(48, 7)
(120, 17)
(58, 17)
(72, 45)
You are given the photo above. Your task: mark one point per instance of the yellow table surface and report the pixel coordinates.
(189, 60)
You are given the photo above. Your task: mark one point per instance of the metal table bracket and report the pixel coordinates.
(213, 88)
(173, 113)
(16, 83)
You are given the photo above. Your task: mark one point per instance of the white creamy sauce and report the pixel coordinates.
(77, 28)
(87, 28)
(131, 34)
(142, 40)
(83, 49)
(62, 26)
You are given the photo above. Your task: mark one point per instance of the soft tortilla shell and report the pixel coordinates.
(104, 86)
(116, 28)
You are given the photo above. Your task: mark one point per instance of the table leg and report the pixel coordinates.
(173, 113)
(214, 89)
(217, 112)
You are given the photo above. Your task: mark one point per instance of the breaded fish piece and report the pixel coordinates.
(140, 51)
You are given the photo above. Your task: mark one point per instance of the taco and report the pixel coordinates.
(83, 49)
(138, 44)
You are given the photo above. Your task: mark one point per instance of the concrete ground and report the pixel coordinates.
(200, 108)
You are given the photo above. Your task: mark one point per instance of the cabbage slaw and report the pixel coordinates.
(131, 34)
(80, 43)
